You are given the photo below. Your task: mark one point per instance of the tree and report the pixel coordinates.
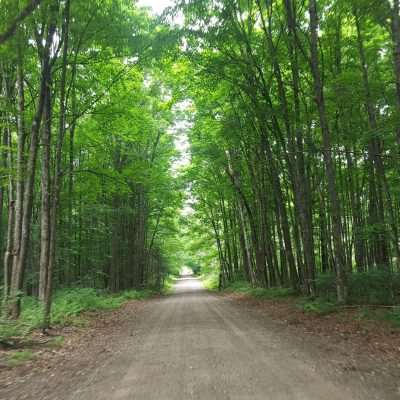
(13, 25)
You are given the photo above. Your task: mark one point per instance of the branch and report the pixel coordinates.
(28, 10)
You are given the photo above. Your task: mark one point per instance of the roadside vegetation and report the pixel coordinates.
(294, 144)
(69, 308)
(372, 297)
(89, 196)
(17, 358)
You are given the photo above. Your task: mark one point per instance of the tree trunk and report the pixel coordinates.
(19, 263)
(11, 216)
(377, 171)
(45, 200)
(334, 202)
(57, 173)
(301, 184)
(396, 56)
(20, 174)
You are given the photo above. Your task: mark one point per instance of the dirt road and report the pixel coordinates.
(194, 345)
(197, 345)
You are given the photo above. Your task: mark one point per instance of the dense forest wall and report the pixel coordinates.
(292, 113)
(86, 185)
(296, 137)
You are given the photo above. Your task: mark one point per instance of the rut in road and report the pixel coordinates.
(196, 345)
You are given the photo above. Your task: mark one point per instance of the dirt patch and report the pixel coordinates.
(65, 353)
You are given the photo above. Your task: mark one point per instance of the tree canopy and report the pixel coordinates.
(291, 114)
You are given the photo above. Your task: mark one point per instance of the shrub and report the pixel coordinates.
(319, 307)
(373, 287)
(211, 281)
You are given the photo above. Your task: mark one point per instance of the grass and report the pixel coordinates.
(390, 315)
(320, 307)
(244, 287)
(211, 282)
(371, 289)
(393, 316)
(19, 357)
(67, 309)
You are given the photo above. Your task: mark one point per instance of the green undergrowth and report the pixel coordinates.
(210, 281)
(318, 306)
(373, 313)
(323, 305)
(67, 309)
(19, 357)
(169, 284)
(375, 287)
(389, 315)
(393, 316)
(244, 287)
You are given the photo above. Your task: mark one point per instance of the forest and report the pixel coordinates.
(295, 143)
(252, 140)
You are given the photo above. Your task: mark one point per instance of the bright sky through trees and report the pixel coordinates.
(157, 5)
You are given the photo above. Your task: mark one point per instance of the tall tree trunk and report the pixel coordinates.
(334, 202)
(45, 200)
(20, 259)
(245, 245)
(20, 174)
(396, 57)
(377, 171)
(7, 164)
(11, 216)
(57, 182)
(301, 184)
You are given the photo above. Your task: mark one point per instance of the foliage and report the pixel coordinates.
(243, 287)
(168, 286)
(68, 307)
(211, 281)
(392, 316)
(293, 173)
(97, 155)
(319, 307)
(374, 287)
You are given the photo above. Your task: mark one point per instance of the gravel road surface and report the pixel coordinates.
(197, 345)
